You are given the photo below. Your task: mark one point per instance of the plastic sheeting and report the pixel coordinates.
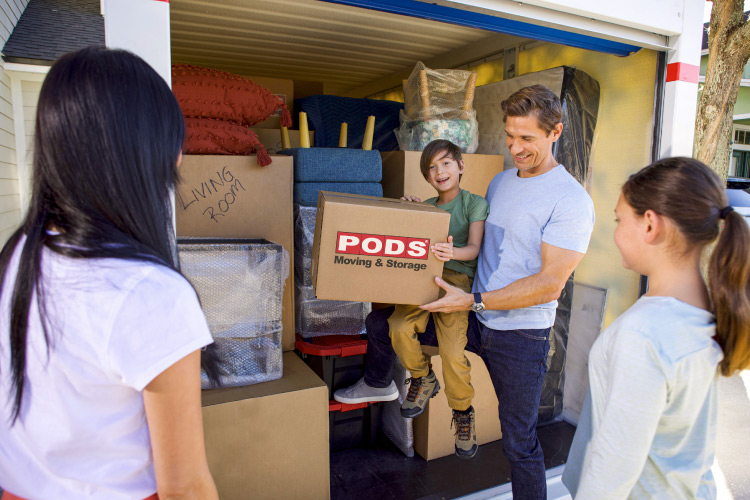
(397, 428)
(579, 95)
(438, 105)
(240, 285)
(551, 401)
(314, 317)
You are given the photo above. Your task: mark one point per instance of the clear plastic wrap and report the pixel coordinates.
(240, 285)
(579, 96)
(397, 428)
(314, 317)
(438, 105)
(304, 232)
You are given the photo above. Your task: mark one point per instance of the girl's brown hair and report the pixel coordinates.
(693, 197)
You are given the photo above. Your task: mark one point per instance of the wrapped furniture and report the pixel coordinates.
(240, 283)
(438, 105)
(315, 318)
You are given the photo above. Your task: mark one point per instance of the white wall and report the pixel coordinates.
(10, 206)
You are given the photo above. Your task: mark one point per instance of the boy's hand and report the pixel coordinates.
(443, 251)
(411, 198)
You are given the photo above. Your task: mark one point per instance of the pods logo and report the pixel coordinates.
(377, 245)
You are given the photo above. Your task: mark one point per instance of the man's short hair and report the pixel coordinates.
(433, 149)
(536, 100)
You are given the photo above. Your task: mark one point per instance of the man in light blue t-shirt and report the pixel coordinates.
(537, 232)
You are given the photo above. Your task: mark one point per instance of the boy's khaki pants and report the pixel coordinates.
(408, 321)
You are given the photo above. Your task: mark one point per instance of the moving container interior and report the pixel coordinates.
(349, 51)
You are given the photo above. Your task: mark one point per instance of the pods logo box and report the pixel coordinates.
(373, 249)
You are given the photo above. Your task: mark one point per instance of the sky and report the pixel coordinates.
(707, 10)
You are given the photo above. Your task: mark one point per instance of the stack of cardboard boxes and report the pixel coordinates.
(256, 434)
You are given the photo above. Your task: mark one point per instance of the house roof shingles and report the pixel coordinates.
(48, 29)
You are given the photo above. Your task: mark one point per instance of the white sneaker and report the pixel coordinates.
(363, 393)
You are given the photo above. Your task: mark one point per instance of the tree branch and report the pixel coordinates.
(741, 40)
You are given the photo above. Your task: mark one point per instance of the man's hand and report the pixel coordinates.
(406, 197)
(454, 300)
(443, 251)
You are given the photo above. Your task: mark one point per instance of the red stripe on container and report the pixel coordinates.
(682, 72)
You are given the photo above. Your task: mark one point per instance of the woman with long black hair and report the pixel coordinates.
(100, 336)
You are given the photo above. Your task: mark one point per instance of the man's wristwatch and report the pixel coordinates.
(478, 305)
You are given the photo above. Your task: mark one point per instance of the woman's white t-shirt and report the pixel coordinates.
(653, 413)
(114, 326)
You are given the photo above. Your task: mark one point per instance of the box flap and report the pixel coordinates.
(374, 201)
(297, 377)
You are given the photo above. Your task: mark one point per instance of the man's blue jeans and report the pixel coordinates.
(516, 361)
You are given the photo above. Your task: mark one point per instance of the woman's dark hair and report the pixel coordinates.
(433, 149)
(107, 139)
(693, 197)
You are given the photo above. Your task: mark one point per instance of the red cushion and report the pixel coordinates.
(209, 93)
(206, 136)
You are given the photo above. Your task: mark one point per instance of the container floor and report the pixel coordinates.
(384, 472)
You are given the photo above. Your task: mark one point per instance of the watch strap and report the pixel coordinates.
(477, 298)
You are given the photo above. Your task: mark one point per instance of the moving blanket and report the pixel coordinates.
(325, 113)
(306, 193)
(335, 165)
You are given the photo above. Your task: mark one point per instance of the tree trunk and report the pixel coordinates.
(728, 52)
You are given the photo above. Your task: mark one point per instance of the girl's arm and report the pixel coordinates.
(636, 393)
(446, 251)
(175, 422)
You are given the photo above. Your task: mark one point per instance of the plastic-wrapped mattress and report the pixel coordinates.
(579, 95)
(240, 283)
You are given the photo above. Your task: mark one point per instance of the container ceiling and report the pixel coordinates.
(353, 51)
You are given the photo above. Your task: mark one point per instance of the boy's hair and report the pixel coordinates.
(536, 100)
(435, 148)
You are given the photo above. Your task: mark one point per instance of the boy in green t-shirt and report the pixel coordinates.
(442, 167)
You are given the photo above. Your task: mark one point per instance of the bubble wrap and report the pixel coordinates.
(438, 104)
(240, 285)
(316, 318)
(304, 232)
(397, 428)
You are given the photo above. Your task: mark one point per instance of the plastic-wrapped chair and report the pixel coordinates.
(438, 106)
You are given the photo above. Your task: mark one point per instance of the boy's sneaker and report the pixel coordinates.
(420, 391)
(363, 393)
(466, 433)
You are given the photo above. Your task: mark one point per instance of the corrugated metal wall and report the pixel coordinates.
(344, 47)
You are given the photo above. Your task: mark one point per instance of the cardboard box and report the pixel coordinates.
(433, 436)
(401, 174)
(370, 249)
(234, 197)
(281, 88)
(303, 88)
(270, 440)
(271, 139)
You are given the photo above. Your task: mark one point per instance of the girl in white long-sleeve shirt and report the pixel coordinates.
(649, 427)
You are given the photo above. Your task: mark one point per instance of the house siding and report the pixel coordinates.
(10, 206)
